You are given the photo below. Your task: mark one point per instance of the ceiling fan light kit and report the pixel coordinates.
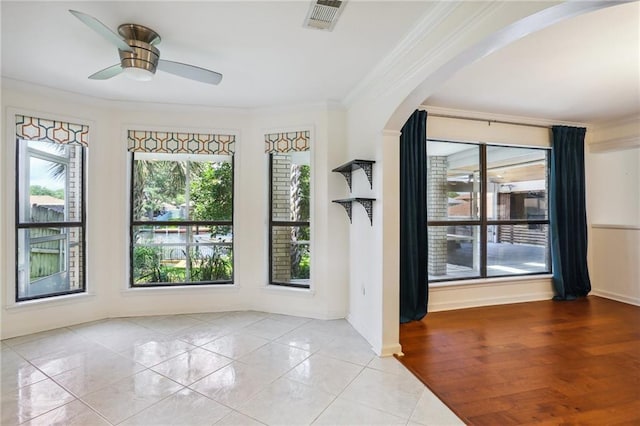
(143, 61)
(139, 58)
(137, 74)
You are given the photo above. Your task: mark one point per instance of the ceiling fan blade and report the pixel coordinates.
(102, 29)
(107, 73)
(190, 71)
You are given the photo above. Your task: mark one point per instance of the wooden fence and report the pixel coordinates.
(523, 234)
(47, 245)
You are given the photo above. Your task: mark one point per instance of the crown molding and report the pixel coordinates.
(442, 47)
(619, 122)
(430, 20)
(617, 144)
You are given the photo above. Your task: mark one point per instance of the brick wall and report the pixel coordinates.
(437, 200)
(74, 204)
(281, 210)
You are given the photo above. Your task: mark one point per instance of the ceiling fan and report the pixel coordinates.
(139, 58)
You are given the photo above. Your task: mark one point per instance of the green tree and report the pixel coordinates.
(302, 193)
(305, 191)
(300, 208)
(211, 192)
(157, 182)
(41, 190)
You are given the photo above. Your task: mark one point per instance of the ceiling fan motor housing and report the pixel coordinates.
(144, 56)
(141, 39)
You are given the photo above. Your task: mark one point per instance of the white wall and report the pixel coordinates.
(614, 268)
(614, 187)
(613, 198)
(107, 212)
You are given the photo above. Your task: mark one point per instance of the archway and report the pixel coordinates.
(450, 38)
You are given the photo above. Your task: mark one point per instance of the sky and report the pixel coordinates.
(40, 175)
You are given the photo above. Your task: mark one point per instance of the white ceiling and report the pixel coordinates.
(266, 56)
(586, 69)
(582, 70)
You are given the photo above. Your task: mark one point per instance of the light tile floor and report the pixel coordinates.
(236, 368)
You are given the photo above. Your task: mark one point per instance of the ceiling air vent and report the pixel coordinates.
(323, 14)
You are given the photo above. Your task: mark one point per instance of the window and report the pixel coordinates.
(50, 216)
(487, 211)
(181, 209)
(289, 195)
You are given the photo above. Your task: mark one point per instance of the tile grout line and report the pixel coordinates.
(51, 378)
(268, 340)
(337, 396)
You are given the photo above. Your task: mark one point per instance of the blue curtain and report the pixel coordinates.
(413, 218)
(568, 214)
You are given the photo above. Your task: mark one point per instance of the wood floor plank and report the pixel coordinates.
(531, 363)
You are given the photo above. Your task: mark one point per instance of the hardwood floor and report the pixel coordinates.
(540, 362)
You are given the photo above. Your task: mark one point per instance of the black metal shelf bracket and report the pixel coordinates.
(366, 203)
(347, 169)
(347, 206)
(347, 176)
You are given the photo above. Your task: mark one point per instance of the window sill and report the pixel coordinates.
(487, 282)
(294, 290)
(129, 291)
(50, 301)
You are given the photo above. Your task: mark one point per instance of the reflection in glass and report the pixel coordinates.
(290, 254)
(50, 182)
(61, 150)
(517, 249)
(453, 181)
(52, 263)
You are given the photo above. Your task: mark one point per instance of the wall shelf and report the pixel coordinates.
(348, 168)
(367, 203)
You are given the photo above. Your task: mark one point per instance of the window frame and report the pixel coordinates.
(281, 223)
(19, 225)
(483, 222)
(134, 223)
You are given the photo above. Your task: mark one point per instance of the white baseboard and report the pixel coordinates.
(617, 297)
(488, 292)
(491, 301)
(389, 350)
